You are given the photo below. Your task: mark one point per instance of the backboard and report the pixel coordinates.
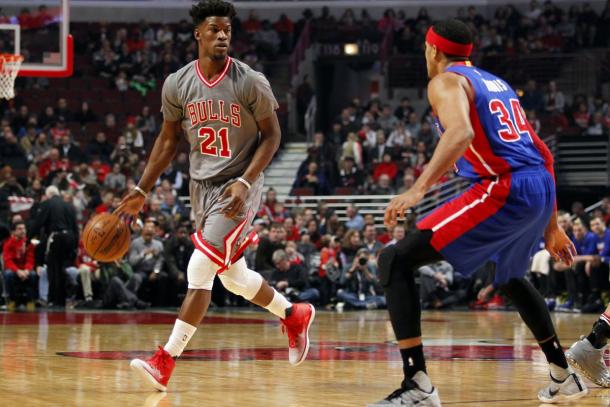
(40, 32)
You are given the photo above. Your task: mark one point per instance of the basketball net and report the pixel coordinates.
(9, 68)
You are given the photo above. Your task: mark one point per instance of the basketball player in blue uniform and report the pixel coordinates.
(501, 217)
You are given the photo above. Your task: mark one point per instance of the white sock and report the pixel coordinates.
(559, 373)
(181, 334)
(278, 305)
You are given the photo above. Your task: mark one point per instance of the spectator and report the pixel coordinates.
(387, 121)
(285, 29)
(349, 174)
(370, 240)
(85, 116)
(404, 110)
(62, 110)
(116, 180)
(252, 25)
(178, 251)
(398, 233)
(386, 167)
(439, 286)
(533, 121)
(352, 149)
(11, 153)
(266, 247)
(354, 221)
(291, 279)
(383, 186)
(398, 136)
(582, 116)
(361, 285)
(350, 245)
(146, 258)
(532, 98)
(99, 148)
(597, 126)
(267, 40)
(19, 270)
(70, 151)
(575, 275)
(407, 182)
(314, 179)
(554, 99)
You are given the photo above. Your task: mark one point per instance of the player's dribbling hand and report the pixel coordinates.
(130, 205)
(235, 195)
(559, 245)
(399, 205)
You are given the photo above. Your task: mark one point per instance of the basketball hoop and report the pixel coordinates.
(9, 68)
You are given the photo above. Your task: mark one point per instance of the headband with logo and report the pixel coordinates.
(447, 46)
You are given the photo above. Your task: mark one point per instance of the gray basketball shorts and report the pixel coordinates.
(222, 239)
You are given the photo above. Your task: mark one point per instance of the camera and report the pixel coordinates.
(362, 260)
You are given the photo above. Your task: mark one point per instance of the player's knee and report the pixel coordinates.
(200, 272)
(385, 262)
(240, 280)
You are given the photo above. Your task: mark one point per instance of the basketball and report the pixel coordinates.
(106, 237)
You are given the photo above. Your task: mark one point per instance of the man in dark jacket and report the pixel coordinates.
(178, 250)
(55, 225)
(292, 280)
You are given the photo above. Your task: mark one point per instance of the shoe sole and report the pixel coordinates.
(304, 356)
(574, 363)
(563, 398)
(138, 366)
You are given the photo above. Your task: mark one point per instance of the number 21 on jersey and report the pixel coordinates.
(512, 119)
(208, 137)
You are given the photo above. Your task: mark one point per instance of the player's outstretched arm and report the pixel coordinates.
(161, 156)
(449, 99)
(269, 143)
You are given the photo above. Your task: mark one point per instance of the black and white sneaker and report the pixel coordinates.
(571, 388)
(412, 393)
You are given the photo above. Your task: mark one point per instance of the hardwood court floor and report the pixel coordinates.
(239, 359)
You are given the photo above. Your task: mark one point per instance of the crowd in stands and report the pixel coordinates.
(544, 27)
(379, 149)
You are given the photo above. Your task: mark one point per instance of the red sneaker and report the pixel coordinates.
(156, 370)
(497, 302)
(296, 326)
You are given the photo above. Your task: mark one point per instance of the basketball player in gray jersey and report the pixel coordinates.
(226, 110)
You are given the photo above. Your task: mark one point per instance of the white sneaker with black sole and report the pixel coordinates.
(589, 361)
(559, 391)
(412, 393)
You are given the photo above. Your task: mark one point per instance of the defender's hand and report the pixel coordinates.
(131, 204)
(559, 245)
(236, 194)
(400, 204)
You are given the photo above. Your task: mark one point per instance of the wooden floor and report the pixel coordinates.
(239, 359)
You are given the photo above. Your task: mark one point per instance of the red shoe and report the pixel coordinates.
(497, 302)
(156, 370)
(296, 327)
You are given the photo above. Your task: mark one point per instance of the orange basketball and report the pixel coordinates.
(106, 237)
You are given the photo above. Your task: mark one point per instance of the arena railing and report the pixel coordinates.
(369, 204)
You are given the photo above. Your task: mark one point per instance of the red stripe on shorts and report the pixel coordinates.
(457, 217)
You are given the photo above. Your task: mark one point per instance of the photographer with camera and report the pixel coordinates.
(361, 285)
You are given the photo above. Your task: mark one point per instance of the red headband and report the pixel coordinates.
(447, 46)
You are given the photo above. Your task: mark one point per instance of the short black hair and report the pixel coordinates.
(15, 224)
(208, 8)
(456, 31)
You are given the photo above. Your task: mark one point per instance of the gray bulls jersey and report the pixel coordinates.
(218, 118)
